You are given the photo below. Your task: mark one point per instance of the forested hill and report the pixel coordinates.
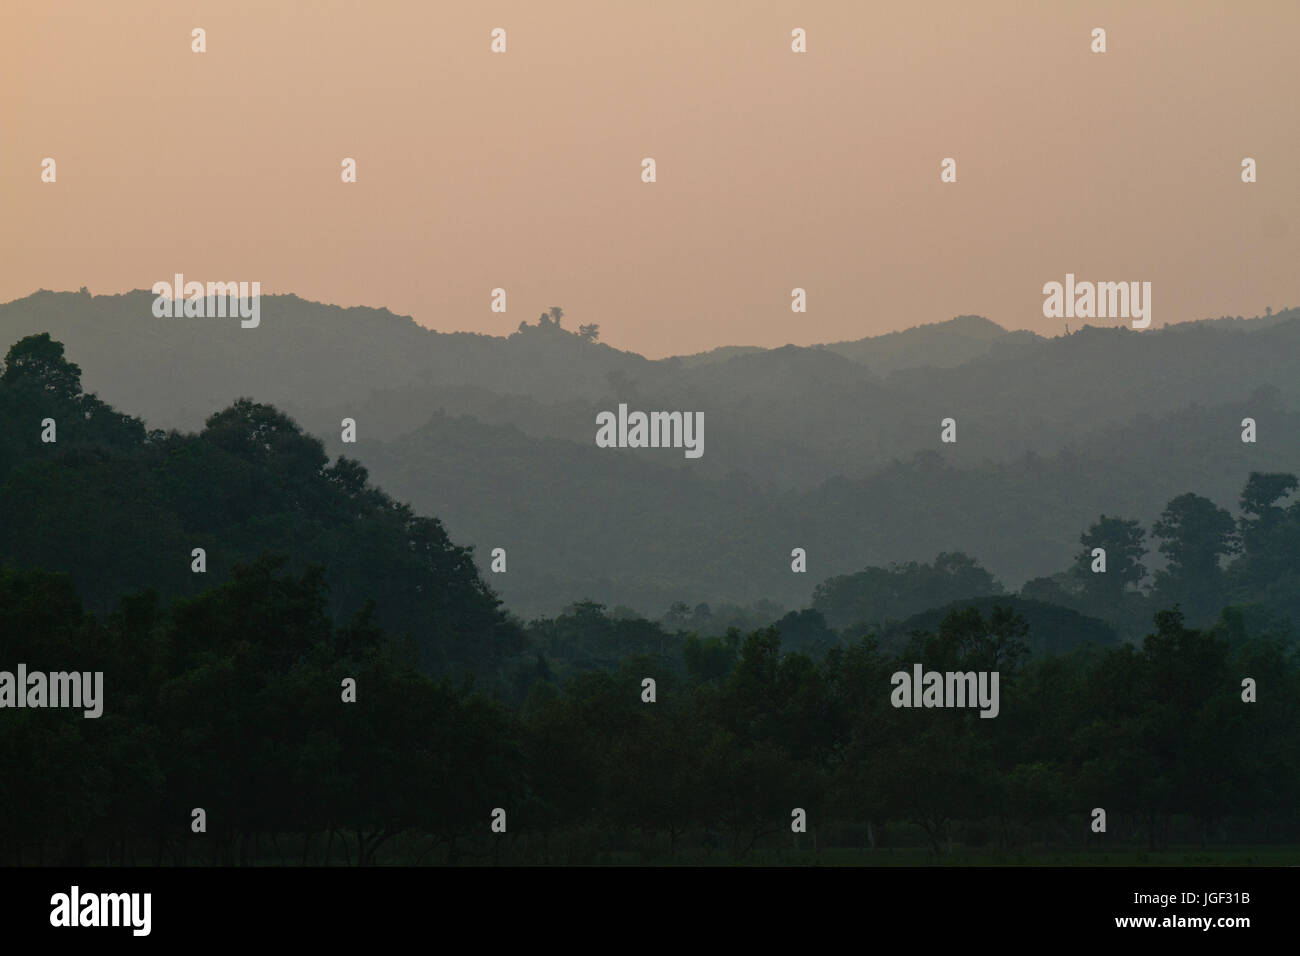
(89, 491)
(835, 449)
(281, 702)
(791, 416)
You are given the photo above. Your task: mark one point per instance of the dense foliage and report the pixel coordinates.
(223, 689)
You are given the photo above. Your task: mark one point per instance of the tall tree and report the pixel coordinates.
(38, 361)
(1261, 513)
(1194, 534)
(1123, 541)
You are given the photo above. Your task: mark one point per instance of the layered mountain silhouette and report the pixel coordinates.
(833, 448)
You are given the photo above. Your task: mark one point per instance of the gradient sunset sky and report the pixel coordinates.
(775, 170)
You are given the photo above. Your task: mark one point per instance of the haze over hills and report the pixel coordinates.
(935, 344)
(833, 448)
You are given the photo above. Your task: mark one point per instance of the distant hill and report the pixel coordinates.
(579, 521)
(832, 448)
(792, 416)
(720, 354)
(933, 345)
(1052, 629)
(936, 345)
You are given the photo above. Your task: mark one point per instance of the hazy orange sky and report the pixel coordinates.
(523, 170)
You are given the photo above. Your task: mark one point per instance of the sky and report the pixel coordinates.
(522, 170)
